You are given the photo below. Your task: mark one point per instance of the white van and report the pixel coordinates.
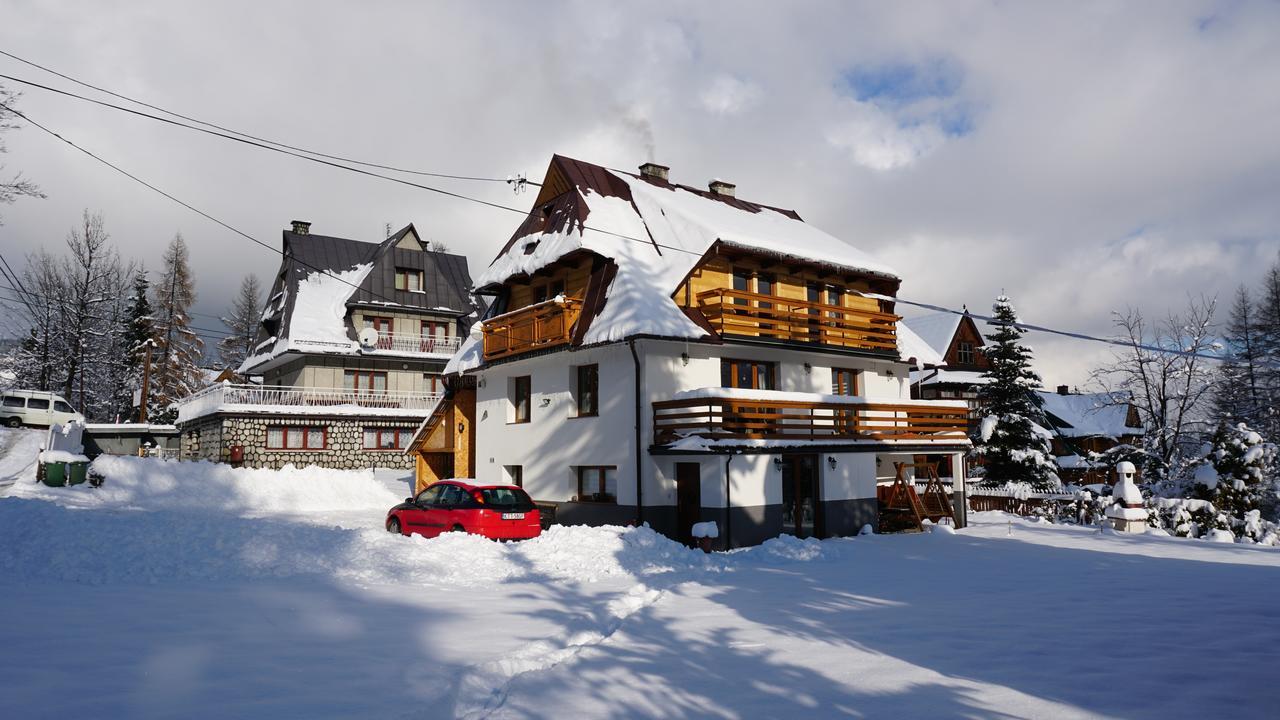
(35, 407)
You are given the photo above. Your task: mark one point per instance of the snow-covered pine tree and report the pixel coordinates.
(140, 329)
(243, 322)
(1012, 441)
(176, 372)
(1237, 395)
(1237, 474)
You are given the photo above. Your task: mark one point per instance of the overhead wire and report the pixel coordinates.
(584, 227)
(241, 133)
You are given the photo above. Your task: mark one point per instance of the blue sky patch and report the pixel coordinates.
(902, 83)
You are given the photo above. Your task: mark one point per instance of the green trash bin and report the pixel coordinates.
(78, 472)
(55, 474)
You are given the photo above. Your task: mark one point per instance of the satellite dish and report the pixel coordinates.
(368, 337)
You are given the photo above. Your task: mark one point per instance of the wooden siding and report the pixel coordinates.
(574, 276)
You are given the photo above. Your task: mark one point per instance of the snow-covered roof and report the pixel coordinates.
(656, 233)
(942, 376)
(911, 345)
(1089, 414)
(321, 276)
(935, 329)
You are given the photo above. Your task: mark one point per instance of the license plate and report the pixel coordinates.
(512, 516)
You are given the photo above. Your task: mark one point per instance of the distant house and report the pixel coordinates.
(1084, 423)
(353, 339)
(958, 341)
(667, 354)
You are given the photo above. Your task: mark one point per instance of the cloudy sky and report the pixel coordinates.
(1082, 157)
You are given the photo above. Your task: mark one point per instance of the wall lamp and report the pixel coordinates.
(462, 427)
(777, 462)
(546, 401)
(684, 358)
(808, 368)
(831, 461)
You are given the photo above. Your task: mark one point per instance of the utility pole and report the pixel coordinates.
(146, 380)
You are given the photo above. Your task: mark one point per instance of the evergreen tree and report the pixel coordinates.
(1237, 475)
(1237, 397)
(176, 372)
(1012, 440)
(139, 329)
(1268, 340)
(243, 323)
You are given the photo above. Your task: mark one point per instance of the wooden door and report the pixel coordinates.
(688, 499)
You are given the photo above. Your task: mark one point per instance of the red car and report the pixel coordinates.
(498, 512)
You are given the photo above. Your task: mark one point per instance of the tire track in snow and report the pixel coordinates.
(482, 689)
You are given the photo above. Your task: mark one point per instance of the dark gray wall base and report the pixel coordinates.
(846, 517)
(960, 508)
(662, 518)
(752, 525)
(574, 513)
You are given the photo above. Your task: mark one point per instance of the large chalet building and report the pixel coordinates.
(353, 340)
(664, 354)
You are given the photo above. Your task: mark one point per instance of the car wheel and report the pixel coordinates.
(457, 528)
(393, 526)
(13, 422)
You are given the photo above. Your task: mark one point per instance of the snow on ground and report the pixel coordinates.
(195, 590)
(19, 448)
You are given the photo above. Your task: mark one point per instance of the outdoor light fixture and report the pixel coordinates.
(546, 401)
(808, 368)
(831, 461)
(462, 427)
(684, 358)
(777, 462)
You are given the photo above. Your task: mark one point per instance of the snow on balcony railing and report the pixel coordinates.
(304, 401)
(409, 343)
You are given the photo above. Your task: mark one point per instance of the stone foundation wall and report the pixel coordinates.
(211, 438)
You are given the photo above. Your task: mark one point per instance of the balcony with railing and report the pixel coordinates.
(736, 313)
(543, 325)
(413, 344)
(226, 397)
(723, 414)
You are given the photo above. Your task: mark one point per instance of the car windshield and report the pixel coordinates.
(507, 497)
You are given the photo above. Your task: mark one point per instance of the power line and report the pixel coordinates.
(649, 242)
(67, 303)
(126, 98)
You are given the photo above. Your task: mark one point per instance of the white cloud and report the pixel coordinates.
(875, 140)
(727, 95)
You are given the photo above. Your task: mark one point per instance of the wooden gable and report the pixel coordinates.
(966, 333)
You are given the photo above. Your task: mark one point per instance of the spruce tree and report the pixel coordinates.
(1268, 340)
(176, 372)
(140, 329)
(1237, 475)
(1012, 440)
(1237, 396)
(243, 323)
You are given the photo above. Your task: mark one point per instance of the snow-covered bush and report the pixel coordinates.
(1235, 475)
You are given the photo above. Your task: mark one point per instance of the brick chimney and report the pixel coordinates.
(301, 227)
(654, 171)
(720, 187)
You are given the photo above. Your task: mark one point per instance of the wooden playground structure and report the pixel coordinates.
(902, 509)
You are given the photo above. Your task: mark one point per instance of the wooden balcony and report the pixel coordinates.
(544, 325)
(754, 418)
(735, 313)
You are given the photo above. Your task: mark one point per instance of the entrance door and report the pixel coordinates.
(688, 499)
(801, 515)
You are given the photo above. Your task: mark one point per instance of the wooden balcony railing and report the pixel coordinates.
(750, 418)
(546, 324)
(745, 314)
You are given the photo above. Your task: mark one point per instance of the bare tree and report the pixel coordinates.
(243, 322)
(177, 370)
(1163, 370)
(15, 187)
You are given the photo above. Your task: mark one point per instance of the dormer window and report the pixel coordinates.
(409, 279)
